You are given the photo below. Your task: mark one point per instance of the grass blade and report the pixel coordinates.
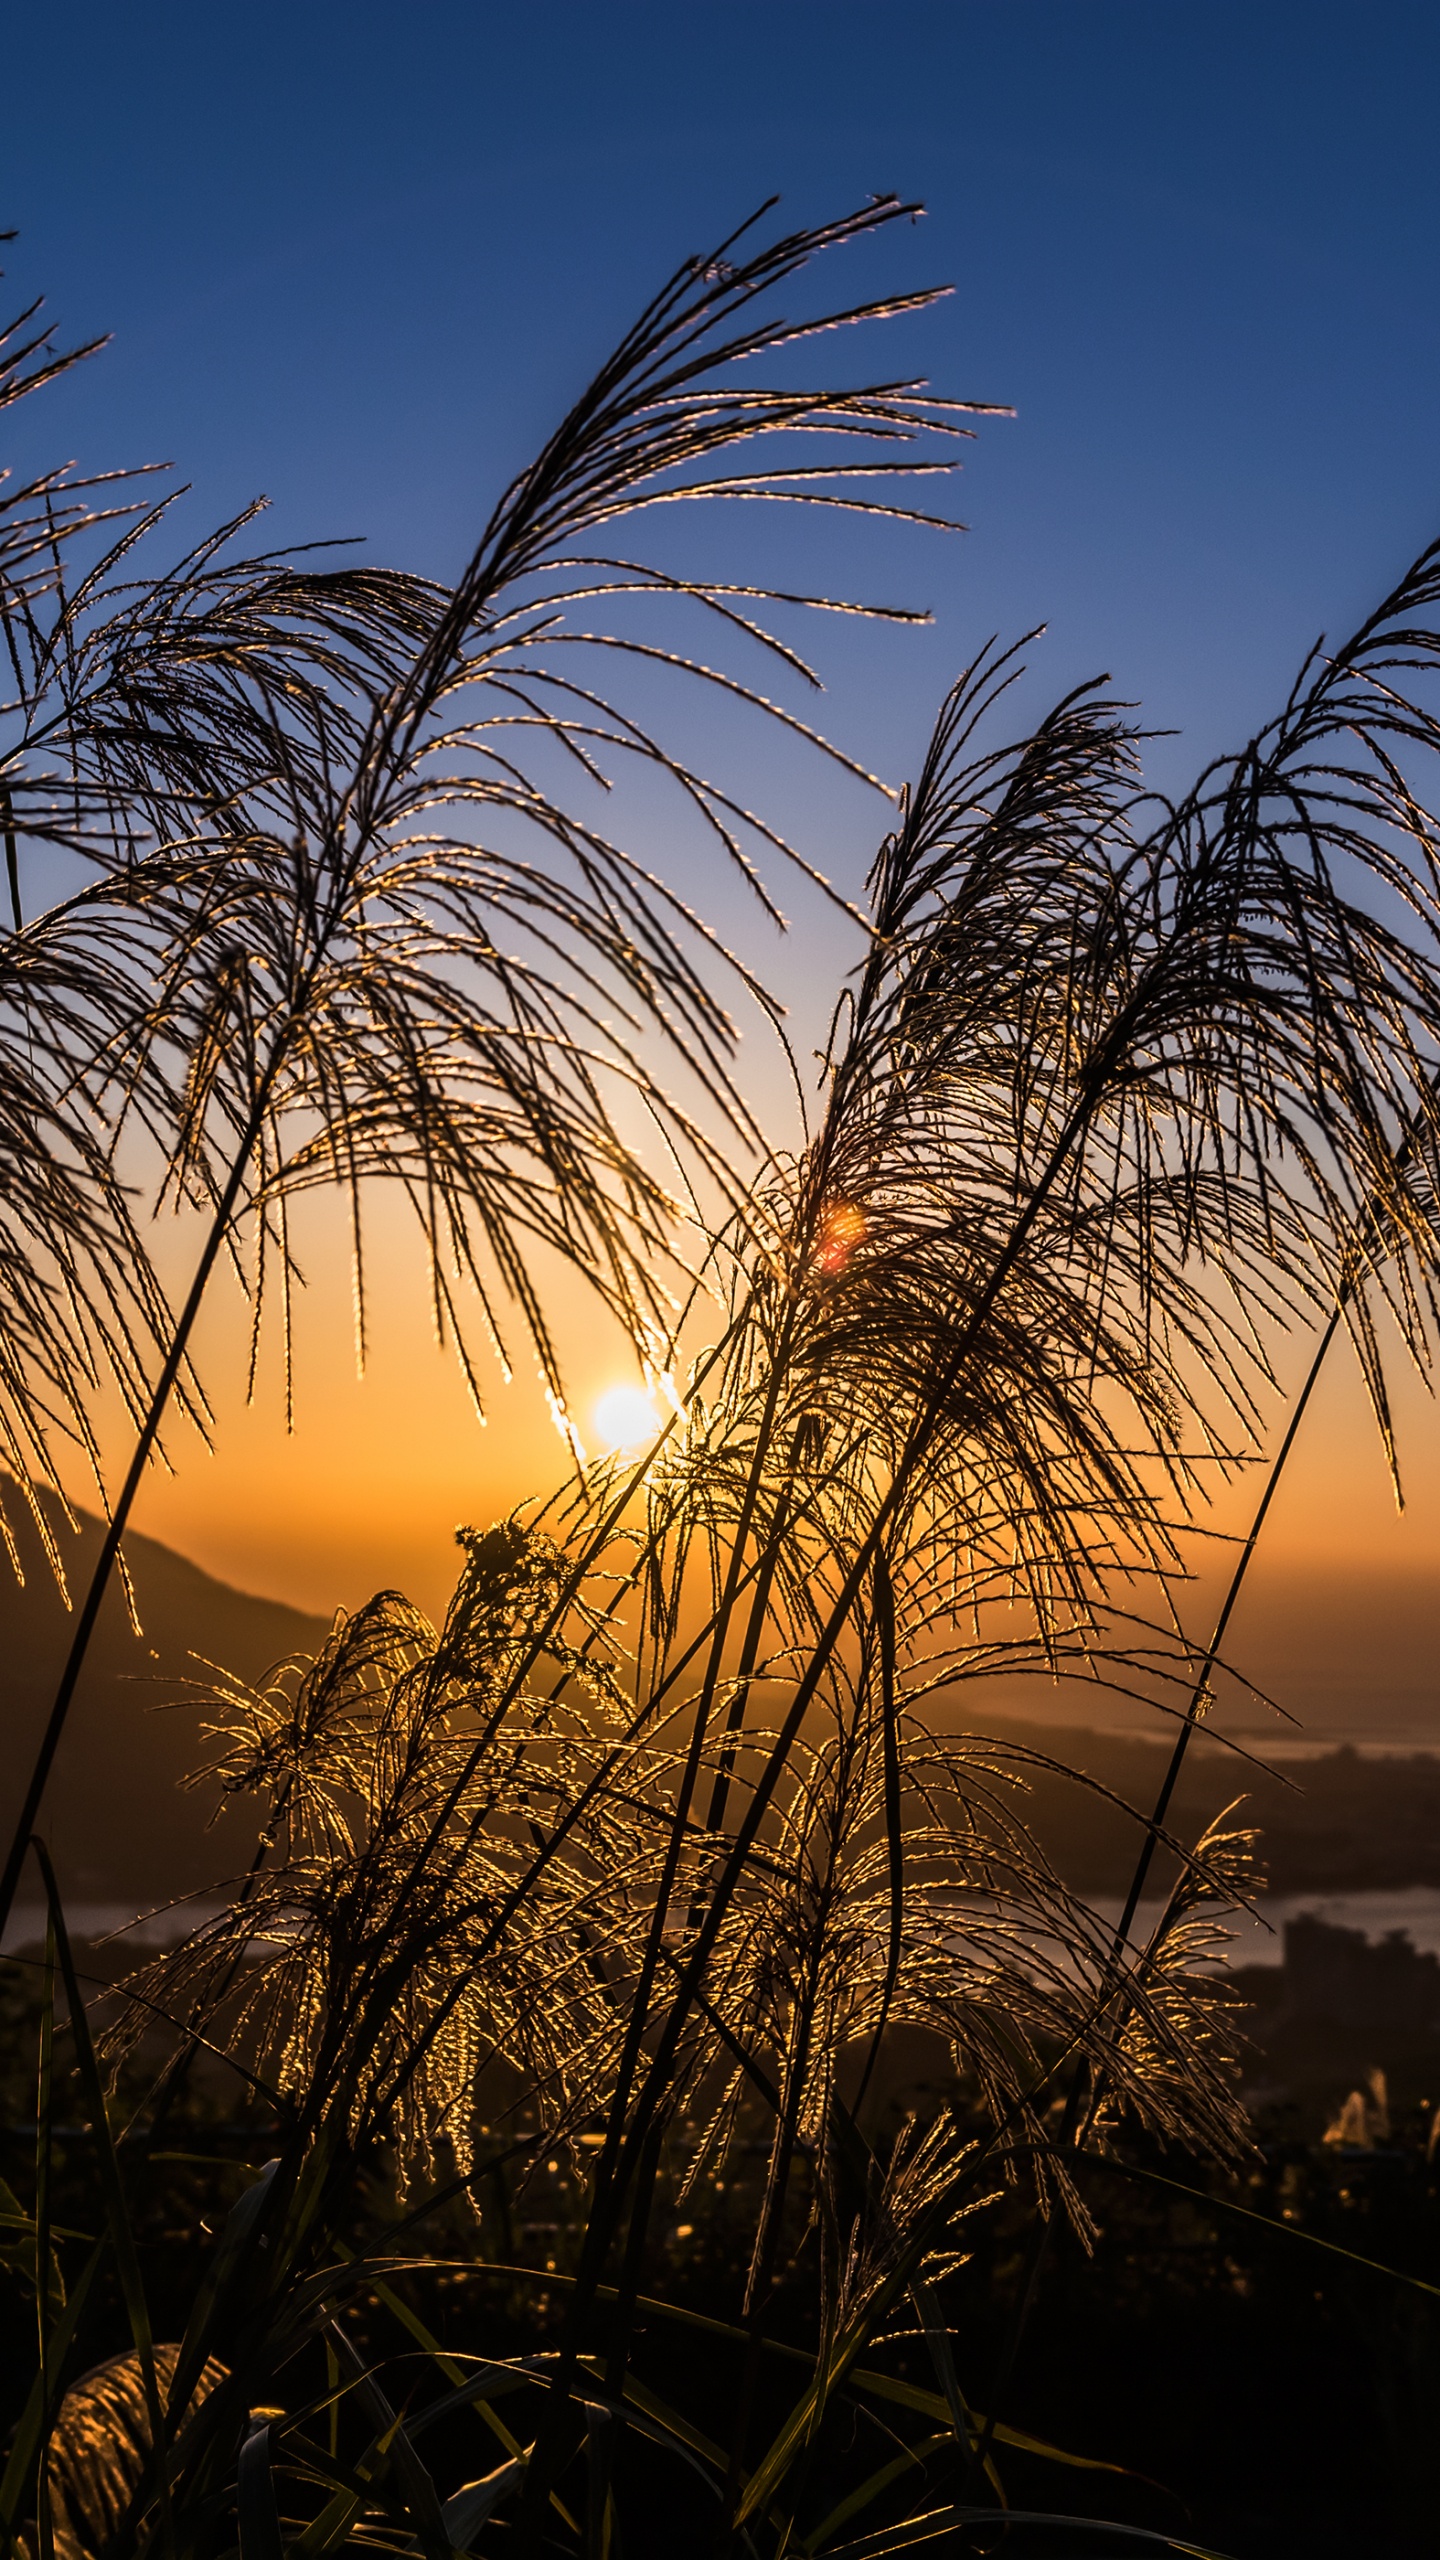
(257, 2515)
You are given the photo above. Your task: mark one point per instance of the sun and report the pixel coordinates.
(625, 1418)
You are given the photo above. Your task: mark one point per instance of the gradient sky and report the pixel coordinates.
(360, 256)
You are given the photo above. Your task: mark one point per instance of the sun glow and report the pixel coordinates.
(624, 1419)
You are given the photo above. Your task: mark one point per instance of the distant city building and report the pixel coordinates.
(1337, 1977)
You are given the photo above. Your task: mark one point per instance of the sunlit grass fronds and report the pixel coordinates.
(389, 1954)
(351, 1940)
(79, 1303)
(39, 516)
(350, 1756)
(682, 1816)
(400, 940)
(368, 938)
(1102, 1118)
(149, 707)
(1322, 832)
(1104, 1114)
(377, 943)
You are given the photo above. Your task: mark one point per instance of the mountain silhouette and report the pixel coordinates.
(118, 1824)
(126, 1834)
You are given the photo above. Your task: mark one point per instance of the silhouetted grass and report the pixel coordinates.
(604, 1909)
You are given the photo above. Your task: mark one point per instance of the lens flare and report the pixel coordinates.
(841, 1230)
(625, 1418)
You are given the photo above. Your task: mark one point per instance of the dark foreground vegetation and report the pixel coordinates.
(650, 2072)
(1238, 2386)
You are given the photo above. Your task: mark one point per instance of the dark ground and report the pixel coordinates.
(1272, 2401)
(1282, 2397)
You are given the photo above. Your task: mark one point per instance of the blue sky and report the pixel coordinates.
(361, 256)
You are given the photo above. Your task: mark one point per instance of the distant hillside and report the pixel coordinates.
(114, 1817)
(122, 1830)
(1333, 1824)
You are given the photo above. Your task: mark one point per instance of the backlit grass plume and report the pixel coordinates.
(370, 931)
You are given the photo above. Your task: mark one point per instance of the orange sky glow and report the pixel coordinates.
(1340, 1622)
